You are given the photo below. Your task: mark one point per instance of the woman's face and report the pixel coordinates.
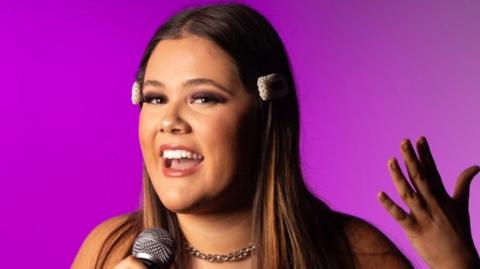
(197, 127)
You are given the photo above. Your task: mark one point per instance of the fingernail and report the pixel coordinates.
(393, 164)
(405, 144)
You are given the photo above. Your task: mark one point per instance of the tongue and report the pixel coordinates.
(184, 164)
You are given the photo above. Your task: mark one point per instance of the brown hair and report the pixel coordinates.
(293, 228)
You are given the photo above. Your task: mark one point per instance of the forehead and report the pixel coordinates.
(177, 60)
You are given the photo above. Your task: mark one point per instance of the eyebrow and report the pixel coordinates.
(190, 82)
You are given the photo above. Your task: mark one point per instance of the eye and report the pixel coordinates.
(206, 98)
(153, 99)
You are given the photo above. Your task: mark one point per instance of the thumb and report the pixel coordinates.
(462, 187)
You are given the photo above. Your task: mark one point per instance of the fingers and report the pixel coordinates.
(416, 171)
(406, 192)
(130, 263)
(406, 221)
(434, 179)
(462, 186)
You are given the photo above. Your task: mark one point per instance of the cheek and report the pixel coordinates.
(146, 134)
(227, 140)
(222, 134)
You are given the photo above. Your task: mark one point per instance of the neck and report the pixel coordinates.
(219, 233)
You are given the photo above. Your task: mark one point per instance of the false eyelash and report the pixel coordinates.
(149, 97)
(211, 98)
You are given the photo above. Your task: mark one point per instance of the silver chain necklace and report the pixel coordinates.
(230, 257)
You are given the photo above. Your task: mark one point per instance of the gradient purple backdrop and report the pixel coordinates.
(369, 74)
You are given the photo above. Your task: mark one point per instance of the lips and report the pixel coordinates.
(182, 167)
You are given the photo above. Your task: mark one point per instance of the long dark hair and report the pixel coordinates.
(293, 228)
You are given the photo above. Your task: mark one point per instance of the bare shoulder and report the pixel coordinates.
(372, 248)
(90, 248)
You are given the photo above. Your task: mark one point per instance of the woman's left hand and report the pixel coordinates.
(438, 226)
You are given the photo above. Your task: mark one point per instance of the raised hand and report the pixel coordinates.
(438, 226)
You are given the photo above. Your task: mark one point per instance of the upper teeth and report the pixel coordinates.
(178, 154)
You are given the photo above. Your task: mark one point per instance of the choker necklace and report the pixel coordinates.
(230, 257)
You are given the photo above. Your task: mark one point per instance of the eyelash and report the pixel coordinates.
(210, 98)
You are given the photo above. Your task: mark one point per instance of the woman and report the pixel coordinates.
(219, 134)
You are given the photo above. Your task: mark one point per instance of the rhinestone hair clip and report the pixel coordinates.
(272, 86)
(136, 93)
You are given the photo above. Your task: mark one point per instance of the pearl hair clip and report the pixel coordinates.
(136, 93)
(272, 86)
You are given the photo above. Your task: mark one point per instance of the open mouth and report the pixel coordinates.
(181, 159)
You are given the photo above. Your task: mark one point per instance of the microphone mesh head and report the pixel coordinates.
(155, 245)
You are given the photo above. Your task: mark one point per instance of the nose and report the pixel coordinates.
(172, 123)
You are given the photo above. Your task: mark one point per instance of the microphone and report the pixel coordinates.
(155, 248)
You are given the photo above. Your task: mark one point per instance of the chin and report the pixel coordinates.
(178, 202)
(186, 204)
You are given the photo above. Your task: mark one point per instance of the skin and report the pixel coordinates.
(214, 203)
(217, 126)
(438, 226)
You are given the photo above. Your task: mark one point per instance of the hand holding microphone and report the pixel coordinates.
(130, 263)
(153, 249)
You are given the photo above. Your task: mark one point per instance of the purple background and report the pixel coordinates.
(369, 74)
